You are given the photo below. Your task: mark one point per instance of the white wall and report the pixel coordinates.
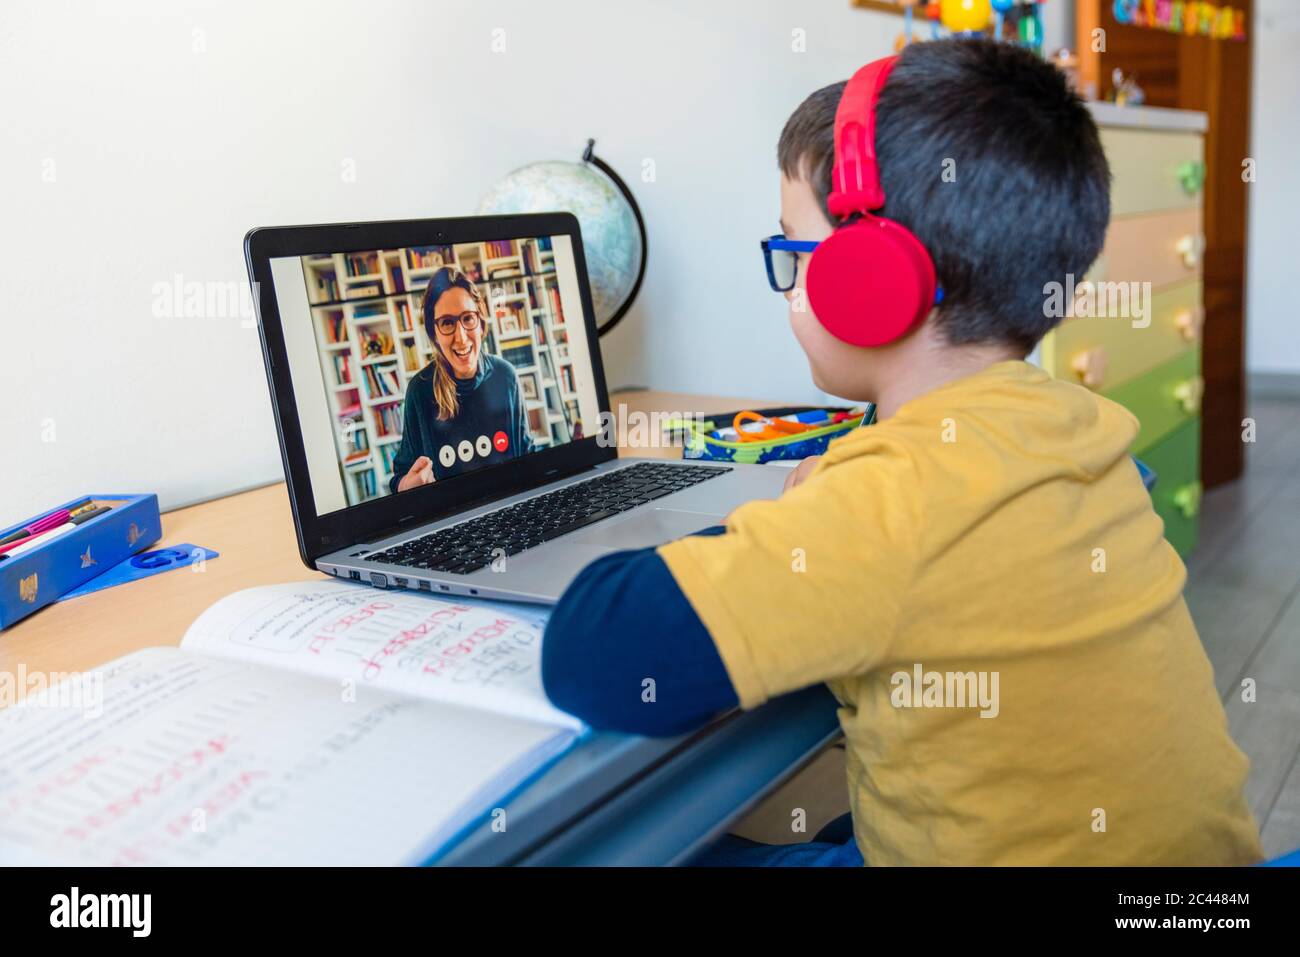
(1272, 326)
(140, 140)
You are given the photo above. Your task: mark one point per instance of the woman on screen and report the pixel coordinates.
(464, 409)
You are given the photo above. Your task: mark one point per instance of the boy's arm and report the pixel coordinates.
(794, 592)
(625, 651)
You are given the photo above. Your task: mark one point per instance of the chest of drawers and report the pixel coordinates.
(1137, 340)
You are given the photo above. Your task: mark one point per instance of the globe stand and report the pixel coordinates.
(588, 156)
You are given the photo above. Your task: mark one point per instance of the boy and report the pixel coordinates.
(979, 577)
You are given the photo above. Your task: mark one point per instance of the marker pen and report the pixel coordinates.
(42, 524)
(40, 538)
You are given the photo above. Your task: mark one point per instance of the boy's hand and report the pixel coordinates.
(801, 472)
(420, 473)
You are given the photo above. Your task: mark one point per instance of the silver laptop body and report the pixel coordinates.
(373, 540)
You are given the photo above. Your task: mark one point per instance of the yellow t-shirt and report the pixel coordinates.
(984, 586)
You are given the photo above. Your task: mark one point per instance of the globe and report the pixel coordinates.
(611, 235)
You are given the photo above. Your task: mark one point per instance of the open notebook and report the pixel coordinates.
(305, 723)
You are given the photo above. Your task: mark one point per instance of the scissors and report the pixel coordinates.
(778, 428)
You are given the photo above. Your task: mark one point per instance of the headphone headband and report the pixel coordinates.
(855, 177)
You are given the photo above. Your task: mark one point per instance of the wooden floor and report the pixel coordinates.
(1244, 592)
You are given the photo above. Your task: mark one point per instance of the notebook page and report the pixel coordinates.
(478, 654)
(210, 761)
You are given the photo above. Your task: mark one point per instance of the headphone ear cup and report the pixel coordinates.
(871, 282)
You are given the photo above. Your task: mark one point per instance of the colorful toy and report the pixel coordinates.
(756, 437)
(965, 17)
(872, 281)
(1189, 17)
(933, 12)
(1000, 8)
(906, 36)
(1030, 26)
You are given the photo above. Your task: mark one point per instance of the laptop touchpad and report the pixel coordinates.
(653, 527)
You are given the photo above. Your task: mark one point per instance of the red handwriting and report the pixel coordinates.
(359, 615)
(374, 664)
(66, 778)
(446, 656)
(181, 768)
(142, 850)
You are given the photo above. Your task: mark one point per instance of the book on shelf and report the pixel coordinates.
(388, 420)
(334, 327)
(574, 415)
(404, 315)
(382, 381)
(410, 356)
(361, 264)
(343, 369)
(357, 442)
(327, 286)
(356, 456)
(557, 309)
(396, 282)
(428, 257)
(518, 352)
(532, 262)
(363, 485)
(366, 291)
(499, 248)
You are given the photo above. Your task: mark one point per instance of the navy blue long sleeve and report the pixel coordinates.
(622, 621)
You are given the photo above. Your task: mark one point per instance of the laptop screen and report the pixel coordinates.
(415, 365)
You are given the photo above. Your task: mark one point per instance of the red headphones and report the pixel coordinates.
(871, 282)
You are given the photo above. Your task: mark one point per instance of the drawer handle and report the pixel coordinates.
(1188, 394)
(1190, 248)
(1189, 323)
(1192, 176)
(1090, 366)
(1187, 499)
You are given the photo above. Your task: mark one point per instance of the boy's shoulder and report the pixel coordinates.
(1008, 416)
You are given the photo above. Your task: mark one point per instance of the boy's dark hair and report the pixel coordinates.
(1027, 198)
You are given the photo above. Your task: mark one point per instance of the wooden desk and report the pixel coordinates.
(253, 531)
(615, 799)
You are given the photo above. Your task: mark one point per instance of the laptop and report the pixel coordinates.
(442, 409)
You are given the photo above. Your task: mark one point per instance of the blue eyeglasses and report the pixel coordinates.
(781, 256)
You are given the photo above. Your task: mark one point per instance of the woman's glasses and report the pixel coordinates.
(781, 256)
(446, 325)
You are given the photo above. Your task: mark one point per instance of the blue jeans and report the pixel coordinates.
(832, 847)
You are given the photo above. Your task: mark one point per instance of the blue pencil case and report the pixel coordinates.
(40, 574)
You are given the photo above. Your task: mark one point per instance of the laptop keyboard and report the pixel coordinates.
(469, 546)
